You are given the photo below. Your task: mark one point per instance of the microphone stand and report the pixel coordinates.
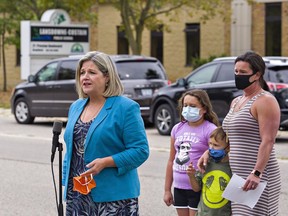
(60, 207)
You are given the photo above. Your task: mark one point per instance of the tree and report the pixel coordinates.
(139, 14)
(6, 26)
(3, 25)
(13, 11)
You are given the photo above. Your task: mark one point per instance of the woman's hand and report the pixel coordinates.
(251, 183)
(95, 167)
(202, 162)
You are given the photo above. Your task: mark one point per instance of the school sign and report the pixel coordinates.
(53, 37)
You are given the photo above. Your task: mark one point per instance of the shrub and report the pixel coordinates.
(197, 62)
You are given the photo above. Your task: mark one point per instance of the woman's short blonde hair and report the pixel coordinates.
(107, 67)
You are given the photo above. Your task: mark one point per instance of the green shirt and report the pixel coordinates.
(213, 183)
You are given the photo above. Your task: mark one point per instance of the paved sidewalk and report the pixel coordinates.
(152, 185)
(5, 112)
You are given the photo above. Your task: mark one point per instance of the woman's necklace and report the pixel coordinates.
(84, 130)
(90, 117)
(86, 125)
(241, 103)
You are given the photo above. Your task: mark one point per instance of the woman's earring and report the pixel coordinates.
(106, 84)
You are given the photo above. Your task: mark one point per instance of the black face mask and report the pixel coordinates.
(242, 81)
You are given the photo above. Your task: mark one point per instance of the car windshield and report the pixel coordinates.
(203, 75)
(139, 70)
(280, 75)
(47, 73)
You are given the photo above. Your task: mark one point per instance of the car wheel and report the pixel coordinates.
(22, 112)
(164, 119)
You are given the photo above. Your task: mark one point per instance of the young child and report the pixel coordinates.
(215, 179)
(189, 140)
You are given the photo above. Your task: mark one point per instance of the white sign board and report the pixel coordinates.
(53, 37)
(58, 40)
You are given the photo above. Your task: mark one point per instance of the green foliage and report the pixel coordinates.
(13, 11)
(197, 62)
(81, 10)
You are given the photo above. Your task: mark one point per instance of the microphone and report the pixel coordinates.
(57, 128)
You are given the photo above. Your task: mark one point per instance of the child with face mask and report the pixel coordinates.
(189, 140)
(215, 179)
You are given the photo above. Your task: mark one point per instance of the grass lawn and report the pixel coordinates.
(5, 99)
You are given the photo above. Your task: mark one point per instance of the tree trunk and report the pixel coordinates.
(124, 10)
(139, 31)
(4, 63)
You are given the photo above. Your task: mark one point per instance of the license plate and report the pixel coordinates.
(146, 92)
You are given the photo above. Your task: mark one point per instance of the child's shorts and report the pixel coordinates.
(184, 198)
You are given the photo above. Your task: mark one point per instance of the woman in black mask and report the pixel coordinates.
(252, 125)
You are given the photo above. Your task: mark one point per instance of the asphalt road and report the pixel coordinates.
(26, 179)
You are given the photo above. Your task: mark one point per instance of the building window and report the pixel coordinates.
(156, 38)
(192, 31)
(273, 29)
(122, 42)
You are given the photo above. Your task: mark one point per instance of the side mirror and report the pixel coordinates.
(31, 78)
(181, 82)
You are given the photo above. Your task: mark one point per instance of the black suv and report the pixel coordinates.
(50, 92)
(217, 78)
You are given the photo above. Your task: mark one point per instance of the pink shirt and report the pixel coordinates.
(190, 144)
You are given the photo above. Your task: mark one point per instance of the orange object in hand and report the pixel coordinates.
(83, 184)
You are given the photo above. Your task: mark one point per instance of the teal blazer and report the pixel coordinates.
(117, 131)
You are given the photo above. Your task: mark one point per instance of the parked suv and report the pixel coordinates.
(50, 92)
(217, 78)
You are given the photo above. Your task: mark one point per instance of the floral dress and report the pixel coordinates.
(79, 204)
